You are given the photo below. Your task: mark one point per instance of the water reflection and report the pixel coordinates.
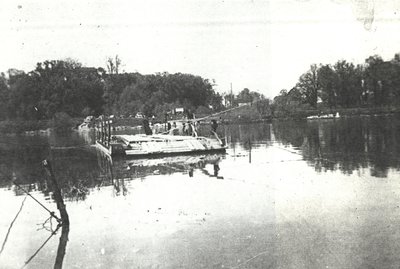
(203, 196)
(118, 170)
(47, 225)
(11, 226)
(347, 144)
(61, 249)
(244, 133)
(81, 169)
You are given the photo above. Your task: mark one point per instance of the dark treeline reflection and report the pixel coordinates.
(20, 158)
(80, 168)
(247, 134)
(346, 144)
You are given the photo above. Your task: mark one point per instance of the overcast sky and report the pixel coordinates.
(261, 45)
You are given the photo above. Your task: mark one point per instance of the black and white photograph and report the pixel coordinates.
(231, 134)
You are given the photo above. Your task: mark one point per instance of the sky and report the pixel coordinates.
(261, 45)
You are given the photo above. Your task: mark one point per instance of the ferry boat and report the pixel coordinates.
(142, 145)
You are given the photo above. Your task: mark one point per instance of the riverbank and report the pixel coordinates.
(298, 114)
(36, 126)
(241, 115)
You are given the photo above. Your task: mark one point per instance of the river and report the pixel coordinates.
(316, 194)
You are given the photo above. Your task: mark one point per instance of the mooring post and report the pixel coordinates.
(102, 131)
(109, 133)
(105, 133)
(57, 193)
(249, 150)
(97, 131)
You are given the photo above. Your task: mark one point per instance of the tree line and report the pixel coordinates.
(66, 86)
(376, 83)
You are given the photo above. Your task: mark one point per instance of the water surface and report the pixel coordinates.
(321, 194)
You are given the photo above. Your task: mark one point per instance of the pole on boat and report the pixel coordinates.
(109, 133)
(101, 131)
(106, 133)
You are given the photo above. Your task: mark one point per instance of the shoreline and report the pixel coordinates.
(36, 127)
(343, 112)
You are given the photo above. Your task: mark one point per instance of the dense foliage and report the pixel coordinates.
(345, 85)
(66, 86)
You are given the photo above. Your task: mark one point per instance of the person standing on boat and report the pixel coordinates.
(189, 128)
(167, 124)
(214, 126)
(190, 115)
(146, 127)
(182, 130)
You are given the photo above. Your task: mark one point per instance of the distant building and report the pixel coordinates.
(244, 104)
(179, 110)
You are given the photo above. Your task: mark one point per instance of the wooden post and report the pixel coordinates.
(109, 133)
(62, 246)
(97, 131)
(105, 133)
(249, 150)
(63, 213)
(57, 193)
(107, 125)
(102, 131)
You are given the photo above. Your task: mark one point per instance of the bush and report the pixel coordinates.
(62, 121)
(203, 111)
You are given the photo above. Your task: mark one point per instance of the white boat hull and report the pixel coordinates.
(142, 145)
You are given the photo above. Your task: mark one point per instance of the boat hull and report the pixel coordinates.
(139, 146)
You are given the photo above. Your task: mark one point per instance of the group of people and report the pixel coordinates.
(187, 126)
(183, 128)
(190, 128)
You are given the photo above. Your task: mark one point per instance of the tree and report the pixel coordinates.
(245, 96)
(263, 107)
(113, 65)
(24, 96)
(215, 101)
(4, 97)
(66, 86)
(184, 90)
(373, 79)
(348, 84)
(56, 86)
(308, 86)
(326, 80)
(230, 100)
